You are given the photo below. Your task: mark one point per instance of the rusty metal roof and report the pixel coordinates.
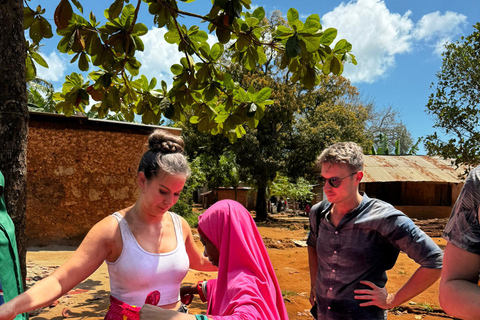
(409, 168)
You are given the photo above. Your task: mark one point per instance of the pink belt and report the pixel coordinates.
(120, 310)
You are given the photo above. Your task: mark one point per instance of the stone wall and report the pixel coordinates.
(78, 172)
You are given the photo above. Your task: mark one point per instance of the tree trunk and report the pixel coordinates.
(261, 207)
(14, 119)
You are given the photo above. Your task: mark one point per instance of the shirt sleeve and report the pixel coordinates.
(463, 228)
(313, 233)
(402, 233)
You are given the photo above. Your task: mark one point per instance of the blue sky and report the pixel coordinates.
(397, 43)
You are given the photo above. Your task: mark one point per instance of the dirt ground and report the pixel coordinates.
(89, 300)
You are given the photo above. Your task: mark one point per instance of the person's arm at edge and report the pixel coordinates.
(197, 260)
(459, 290)
(91, 253)
(313, 266)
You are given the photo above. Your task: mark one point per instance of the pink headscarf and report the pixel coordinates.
(246, 284)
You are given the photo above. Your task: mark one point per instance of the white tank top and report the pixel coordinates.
(137, 272)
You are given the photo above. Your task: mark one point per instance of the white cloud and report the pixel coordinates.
(439, 29)
(378, 35)
(375, 33)
(159, 56)
(56, 68)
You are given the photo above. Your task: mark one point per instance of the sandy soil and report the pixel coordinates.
(89, 300)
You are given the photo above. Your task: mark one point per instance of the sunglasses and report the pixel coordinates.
(335, 182)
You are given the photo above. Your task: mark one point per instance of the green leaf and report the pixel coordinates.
(140, 29)
(83, 62)
(312, 42)
(172, 37)
(176, 69)
(336, 66)
(292, 16)
(292, 46)
(40, 29)
(312, 24)
(328, 36)
(297, 25)
(194, 119)
(153, 84)
(348, 57)
(128, 14)
(262, 95)
(39, 59)
(220, 118)
(342, 46)
(197, 35)
(115, 9)
(63, 14)
(223, 35)
(137, 42)
(309, 78)
(259, 13)
(282, 31)
(28, 17)
(30, 70)
(252, 22)
(78, 5)
(216, 51)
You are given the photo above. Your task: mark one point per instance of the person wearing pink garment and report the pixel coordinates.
(246, 287)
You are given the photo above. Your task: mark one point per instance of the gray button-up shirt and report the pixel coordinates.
(463, 227)
(363, 246)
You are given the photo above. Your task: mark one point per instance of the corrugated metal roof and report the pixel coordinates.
(409, 168)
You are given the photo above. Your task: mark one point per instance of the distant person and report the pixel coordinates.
(355, 239)
(246, 287)
(459, 290)
(11, 283)
(307, 209)
(146, 247)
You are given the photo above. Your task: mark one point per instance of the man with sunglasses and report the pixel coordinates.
(355, 239)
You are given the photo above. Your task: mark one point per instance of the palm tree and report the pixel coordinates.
(40, 95)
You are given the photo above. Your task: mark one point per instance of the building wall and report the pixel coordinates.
(78, 172)
(230, 194)
(245, 196)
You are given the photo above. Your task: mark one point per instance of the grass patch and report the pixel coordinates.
(288, 293)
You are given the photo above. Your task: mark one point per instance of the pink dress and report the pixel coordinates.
(246, 287)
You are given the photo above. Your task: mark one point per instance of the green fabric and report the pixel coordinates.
(201, 317)
(10, 275)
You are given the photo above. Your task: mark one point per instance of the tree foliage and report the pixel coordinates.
(328, 114)
(295, 128)
(300, 190)
(454, 103)
(388, 133)
(200, 87)
(40, 95)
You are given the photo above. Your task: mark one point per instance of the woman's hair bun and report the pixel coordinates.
(165, 142)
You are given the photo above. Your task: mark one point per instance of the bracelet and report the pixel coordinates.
(200, 291)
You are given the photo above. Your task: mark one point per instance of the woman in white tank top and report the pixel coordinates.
(147, 248)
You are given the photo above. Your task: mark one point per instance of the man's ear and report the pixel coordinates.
(359, 176)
